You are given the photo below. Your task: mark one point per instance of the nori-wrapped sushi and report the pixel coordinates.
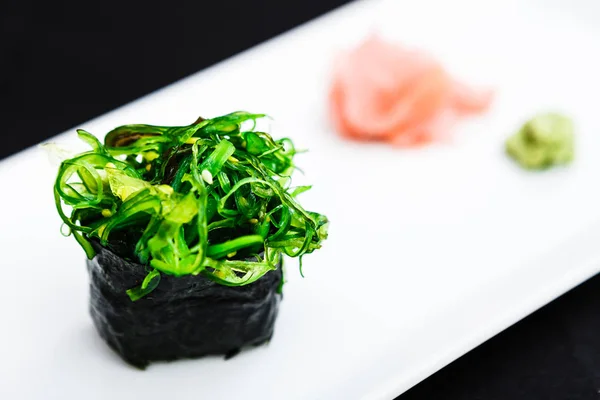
(189, 316)
(185, 229)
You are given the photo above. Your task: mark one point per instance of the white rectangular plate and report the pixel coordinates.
(431, 251)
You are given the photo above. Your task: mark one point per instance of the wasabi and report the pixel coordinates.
(543, 141)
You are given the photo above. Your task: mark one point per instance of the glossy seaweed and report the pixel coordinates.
(185, 228)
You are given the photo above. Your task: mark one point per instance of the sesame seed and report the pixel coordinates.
(207, 176)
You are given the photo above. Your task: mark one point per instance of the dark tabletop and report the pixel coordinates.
(64, 62)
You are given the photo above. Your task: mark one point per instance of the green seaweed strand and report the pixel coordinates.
(210, 198)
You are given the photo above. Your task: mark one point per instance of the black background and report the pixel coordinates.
(62, 63)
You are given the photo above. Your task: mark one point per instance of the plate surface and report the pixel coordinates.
(431, 251)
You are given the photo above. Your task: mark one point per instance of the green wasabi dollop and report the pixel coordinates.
(543, 141)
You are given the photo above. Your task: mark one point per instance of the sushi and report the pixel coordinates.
(185, 229)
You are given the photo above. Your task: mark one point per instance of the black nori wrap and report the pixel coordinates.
(184, 317)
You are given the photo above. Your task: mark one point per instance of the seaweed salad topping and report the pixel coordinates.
(211, 198)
